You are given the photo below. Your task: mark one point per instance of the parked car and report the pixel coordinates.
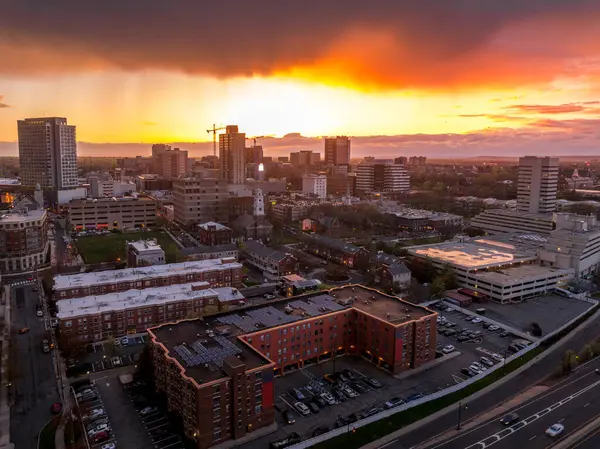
(493, 328)
(116, 361)
(469, 318)
(56, 408)
(476, 320)
(99, 428)
(414, 397)
(372, 411)
(486, 325)
(288, 417)
(338, 394)
(39, 313)
(268, 296)
(302, 409)
(450, 332)
(23, 330)
(320, 402)
(394, 402)
(450, 324)
(509, 419)
(312, 405)
(448, 349)
(467, 372)
(109, 446)
(504, 334)
(100, 437)
(148, 410)
(349, 392)
(373, 382)
(475, 368)
(497, 357)
(349, 374)
(480, 366)
(486, 361)
(555, 430)
(125, 341)
(329, 399)
(297, 394)
(462, 338)
(320, 430)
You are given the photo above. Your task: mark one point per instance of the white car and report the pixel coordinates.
(302, 409)
(493, 328)
(116, 361)
(476, 320)
(497, 357)
(109, 446)
(39, 313)
(555, 430)
(475, 368)
(448, 349)
(96, 413)
(99, 428)
(480, 366)
(328, 398)
(487, 362)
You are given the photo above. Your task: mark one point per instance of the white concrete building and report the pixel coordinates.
(145, 253)
(395, 178)
(47, 153)
(315, 185)
(537, 184)
(504, 220)
(503, 271)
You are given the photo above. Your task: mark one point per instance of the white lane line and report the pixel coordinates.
(532, 437)
(561, 420)
(586, 404)
(492, 439)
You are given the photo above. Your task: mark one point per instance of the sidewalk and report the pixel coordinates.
(4, 356)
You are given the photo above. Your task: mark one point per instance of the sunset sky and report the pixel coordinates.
(446, 77)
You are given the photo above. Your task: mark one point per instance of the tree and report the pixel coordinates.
(568, 362)
(438, 285)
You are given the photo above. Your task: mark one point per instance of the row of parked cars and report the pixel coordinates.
(94, 417)
(482, 365)
(153, 418)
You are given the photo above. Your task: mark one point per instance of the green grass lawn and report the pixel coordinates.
(109, 248)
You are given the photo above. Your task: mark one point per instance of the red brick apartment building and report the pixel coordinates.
(217, 272)
(214, 234)
(391, 333)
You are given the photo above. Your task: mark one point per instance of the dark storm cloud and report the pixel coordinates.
(246, 38)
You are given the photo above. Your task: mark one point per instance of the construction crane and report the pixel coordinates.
(214, 131)
(254, 139)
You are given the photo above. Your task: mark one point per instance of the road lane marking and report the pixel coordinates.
(493, 439)
(533, 437)
(586, 404)
(561, 420)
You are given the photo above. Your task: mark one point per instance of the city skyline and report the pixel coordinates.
(488, 80)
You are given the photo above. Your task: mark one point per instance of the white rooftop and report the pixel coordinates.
(218, 226)
(142, 246)
(130, 299)
(478, 254)
(520, 274)
(18, 217)
(62, 282)
(228, 294)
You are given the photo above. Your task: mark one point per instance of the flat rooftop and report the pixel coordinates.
(523, 273)
(199, 354)
(20, 217)
(133, 298)
(62, 282)
(142, 246)
(476, 254)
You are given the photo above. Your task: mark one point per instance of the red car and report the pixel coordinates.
(100, 437)
(56, 408)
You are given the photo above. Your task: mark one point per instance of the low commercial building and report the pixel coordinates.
(273, 263)
(202, 252)
(214, 234)
(337, 251)
(501, 271)
(144, 253)
(212, 366)
(24, 241)
(218, 272)
(421, 220)
(103, 317)
(503, 220)
(114, 213)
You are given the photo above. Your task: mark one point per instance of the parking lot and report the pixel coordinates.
(550, 312)
(95, 419)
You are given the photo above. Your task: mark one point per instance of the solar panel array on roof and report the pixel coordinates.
(213, 355)
(246, 323)
(270, 316)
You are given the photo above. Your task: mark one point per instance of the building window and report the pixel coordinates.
(258, 409)
(217, 434)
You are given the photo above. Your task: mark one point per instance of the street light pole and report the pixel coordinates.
(459, 412)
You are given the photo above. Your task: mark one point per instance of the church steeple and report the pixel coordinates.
(259, 203)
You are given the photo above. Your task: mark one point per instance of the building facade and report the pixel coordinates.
(214, 234)
(337, 251)
(47, 153)
(112, 213)
(232, 155)
(537, 184)
(315, 185)
(337, 150)
(217, 272)
(198, 200)
(172, 163)
(274, 264)
(393, 334)
(381, 175)
(23, 241)
(145, 253)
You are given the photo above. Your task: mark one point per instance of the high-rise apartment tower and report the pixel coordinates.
(232, 155)
(537, 184)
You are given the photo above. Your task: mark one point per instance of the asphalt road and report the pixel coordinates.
(571, 403)
(503, 392)
(34, 387)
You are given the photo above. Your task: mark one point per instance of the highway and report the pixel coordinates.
(34, 386)
(572, 402)
(524, 380)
